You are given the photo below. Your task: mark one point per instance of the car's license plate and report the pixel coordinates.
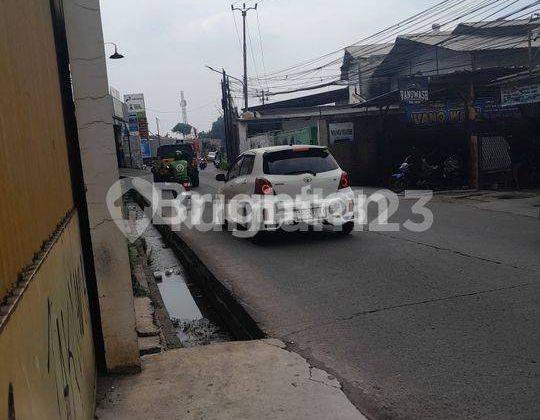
(307, 214)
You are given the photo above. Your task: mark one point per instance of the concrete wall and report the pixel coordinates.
(358, 158)
(94, 111)
(47, 367)
(34, 167)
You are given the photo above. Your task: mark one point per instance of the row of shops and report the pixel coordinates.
(487, 122)
(469, 96)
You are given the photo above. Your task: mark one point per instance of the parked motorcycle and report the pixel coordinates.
(430, 176)
(452, 172)
(401, 178)
(416, 173)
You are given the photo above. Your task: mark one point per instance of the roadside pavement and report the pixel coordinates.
(236, 380)
(258, 379)
(136, 173)
(521, 203)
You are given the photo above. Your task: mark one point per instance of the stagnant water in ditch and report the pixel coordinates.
(186, 305)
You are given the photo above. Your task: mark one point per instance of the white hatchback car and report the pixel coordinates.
(288, 185)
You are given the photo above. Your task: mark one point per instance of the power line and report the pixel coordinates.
(411, 25)
(463, 11)
(484, 5)
(261, 46)
(250, 45)
(365, 39)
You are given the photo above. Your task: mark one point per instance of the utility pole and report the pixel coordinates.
(532, 37)
(244, 11)
(158, 136)
(264, 96)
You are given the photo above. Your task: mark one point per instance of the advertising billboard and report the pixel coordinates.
(137, 114)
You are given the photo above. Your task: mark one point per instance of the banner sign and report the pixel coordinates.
(518, 95)
(145, 149)
(133, 123)
(307, 135)
(341, 132)
(489, 109)
(414, 90)
(434, 113)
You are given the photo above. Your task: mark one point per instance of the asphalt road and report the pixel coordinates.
(443, 324)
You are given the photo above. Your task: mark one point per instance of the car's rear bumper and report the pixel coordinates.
(336, 211)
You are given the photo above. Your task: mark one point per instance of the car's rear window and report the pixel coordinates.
(169, 150)
(298, 161)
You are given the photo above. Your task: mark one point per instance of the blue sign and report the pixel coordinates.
(145, 149)
(133, 123)
(433, 113)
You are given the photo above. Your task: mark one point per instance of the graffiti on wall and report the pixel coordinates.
(50, 373)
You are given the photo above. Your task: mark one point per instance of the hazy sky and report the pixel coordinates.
(168, 42)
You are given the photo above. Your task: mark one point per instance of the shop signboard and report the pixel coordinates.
(341, 132)
(133, 123)
(489, 109)
(519, 95)
(135, 102)
(145, 149)
(414, 90)
(433, 113)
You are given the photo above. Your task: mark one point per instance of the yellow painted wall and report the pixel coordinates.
(46, 350)
(35, 187)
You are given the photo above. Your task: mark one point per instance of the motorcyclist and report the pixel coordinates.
(179, 169)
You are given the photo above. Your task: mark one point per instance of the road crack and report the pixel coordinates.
(455, 251)
(405, 305)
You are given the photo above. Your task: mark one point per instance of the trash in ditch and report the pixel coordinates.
(198, 332)
(182, 303)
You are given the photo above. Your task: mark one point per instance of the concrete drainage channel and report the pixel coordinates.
(201, 309)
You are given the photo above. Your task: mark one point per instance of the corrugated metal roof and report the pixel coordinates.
(369, 50)
(496, 27)
(470, 42)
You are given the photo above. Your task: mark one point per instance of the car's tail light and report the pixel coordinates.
(344, 182)
(263, 187)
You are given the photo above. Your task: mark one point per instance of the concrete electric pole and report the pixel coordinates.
(533, 36)
(244, 11)
(264, 96)
(158, 135)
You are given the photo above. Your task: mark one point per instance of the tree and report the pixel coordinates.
(182, 128)
(216, 132)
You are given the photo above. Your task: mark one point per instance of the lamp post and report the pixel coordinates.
(116, 55)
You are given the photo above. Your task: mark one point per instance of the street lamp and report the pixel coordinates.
(116, 55)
